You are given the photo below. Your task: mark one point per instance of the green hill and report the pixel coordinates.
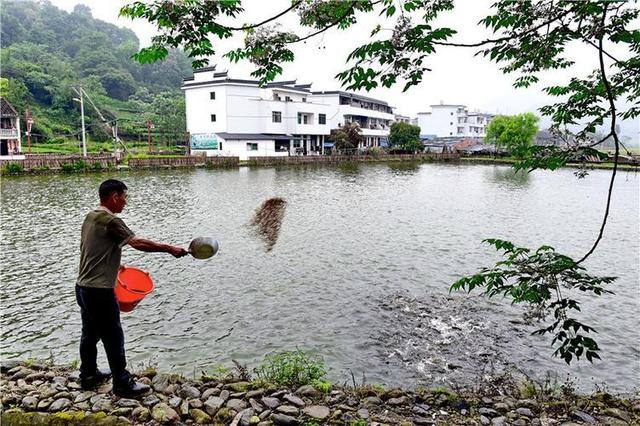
(46, 51)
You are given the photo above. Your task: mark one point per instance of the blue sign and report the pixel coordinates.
(204, 141)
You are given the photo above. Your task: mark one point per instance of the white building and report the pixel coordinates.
(451, 121)
(10, 145)
(234, 117)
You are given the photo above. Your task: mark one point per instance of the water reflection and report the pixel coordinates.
(404, 167)
(349, 168)
(508, 177)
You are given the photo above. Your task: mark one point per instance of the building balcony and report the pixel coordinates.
(9, 134)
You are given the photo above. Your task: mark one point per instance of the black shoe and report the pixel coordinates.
(130, 389)
(91, 382)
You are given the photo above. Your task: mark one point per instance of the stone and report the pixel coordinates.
(160, 382)
(236, 404)
(184, 408)
(199, 416)
(83, 396)
(47, 391)
(38, 375)
(239, 386)
(308, 391)
(256, 405)
(398, 401)
(254, 420)
(421, 409)
(525, 412)
(520, 422)
(224, 394)
(489, 412)
(213, 404)
(370, 400)
(174, 402)
(238, 395)
(8, 365)
(294, 400)
(255, 393)
(288, 409)
(245, 417)
(189, 392)
(60, 380)
(498, 421)
(60, 404)
(283, 419)
(319, 412)
(122, 411)
(150, 400)
(162, 413)
(363, 413)
(265, 414)
(613, 421)
(62, 395)
(29, 403)
(501, 407)
(536, 422)
(21, 373)
(209, 393)
(102, 404)
(44, 404)
(421, 421)
(195, 403)
(141, 414)
(485, 420)
(270, 402)
(83, 406)
(617, 413)
(581, 415)
(171, 389)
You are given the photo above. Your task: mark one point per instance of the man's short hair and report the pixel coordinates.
(110, 186)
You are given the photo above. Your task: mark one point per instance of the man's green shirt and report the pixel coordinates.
(103, 236)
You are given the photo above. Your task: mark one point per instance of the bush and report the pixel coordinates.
(79, 165)
(294, 369)
(67, 167)
(96, 166)
(13, 168)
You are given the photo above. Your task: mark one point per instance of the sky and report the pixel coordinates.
(457, 76)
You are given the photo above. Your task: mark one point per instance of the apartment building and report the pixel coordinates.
(237, 117)
(453, 121)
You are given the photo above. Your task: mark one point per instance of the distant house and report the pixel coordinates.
(9, 130)
(453, 121)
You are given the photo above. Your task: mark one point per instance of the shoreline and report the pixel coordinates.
(13, 169)
(39, 393)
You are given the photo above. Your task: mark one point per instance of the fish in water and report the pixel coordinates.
(268, 219)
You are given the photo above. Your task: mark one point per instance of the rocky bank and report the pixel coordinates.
(41, 394)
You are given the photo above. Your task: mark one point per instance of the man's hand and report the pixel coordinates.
(177, 251)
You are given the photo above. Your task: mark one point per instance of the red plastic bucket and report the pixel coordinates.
(132, 286)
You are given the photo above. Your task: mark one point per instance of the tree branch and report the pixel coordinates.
(613, 133)
(333, 24)
(273, 18)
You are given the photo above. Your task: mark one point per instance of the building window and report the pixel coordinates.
(303, 118)
(287, 99)
(276, 116)
(451, 113)
(220, 146)
(213, 118)
(451, 124)
(304, 99)
(322, 118)
(252, 146)
(212, 95)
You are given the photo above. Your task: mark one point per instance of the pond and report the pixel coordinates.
(359, 275)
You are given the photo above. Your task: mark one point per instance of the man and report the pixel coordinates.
(103, 236)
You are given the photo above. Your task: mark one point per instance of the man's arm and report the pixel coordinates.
(143, 244)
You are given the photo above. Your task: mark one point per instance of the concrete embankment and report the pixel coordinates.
(37, 393)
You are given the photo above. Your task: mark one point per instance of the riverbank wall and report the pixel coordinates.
(333, 159)
(43, 394)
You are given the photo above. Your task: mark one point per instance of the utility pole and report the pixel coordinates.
(115, 137)
(29, 122)
(149, 127)
(84, 137)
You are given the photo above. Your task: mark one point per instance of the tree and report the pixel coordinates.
(347, 139)
(530, 37)
(405, 136)
(513, 132)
